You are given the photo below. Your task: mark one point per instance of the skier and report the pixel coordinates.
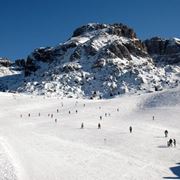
(166, 133)
(29, 114)
(39, 114)
(174, 142)
(99, 126)
(117, 109)
(21, 115)
(130, 129)
(55, 120)
(100, 117)
(76, 111)
(170, 143)
(153, 118)
(57, 110)
(105, 114)
(82, 126)
(51, 115)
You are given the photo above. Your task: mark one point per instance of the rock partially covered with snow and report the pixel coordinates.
(5, 62)
(165, 51)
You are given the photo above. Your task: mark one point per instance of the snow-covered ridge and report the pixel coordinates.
(99, 60)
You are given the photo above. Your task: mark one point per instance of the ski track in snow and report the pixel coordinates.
(35, 148)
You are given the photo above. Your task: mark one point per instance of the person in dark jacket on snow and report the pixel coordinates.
(99, 126)
(174, 142)
(82, 125)
(166, 133)
(130, 129)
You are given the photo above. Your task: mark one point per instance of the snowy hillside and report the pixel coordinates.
(99, 61)
(40, 138)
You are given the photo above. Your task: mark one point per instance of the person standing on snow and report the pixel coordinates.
(130, 129)
(99, 126)
(166, 133)
(174, 142)
(82, 126)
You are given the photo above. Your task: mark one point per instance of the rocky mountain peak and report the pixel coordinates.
(112, 29)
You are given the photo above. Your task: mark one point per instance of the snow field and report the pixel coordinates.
(47, 150)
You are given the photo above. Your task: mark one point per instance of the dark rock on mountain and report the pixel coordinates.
(165, 51)
(112, 29)
(30, 66)
(43, 54)
(5, 62)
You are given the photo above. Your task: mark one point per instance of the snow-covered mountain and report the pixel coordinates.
(99, 60)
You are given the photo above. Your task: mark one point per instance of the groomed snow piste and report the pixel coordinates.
(35, 147)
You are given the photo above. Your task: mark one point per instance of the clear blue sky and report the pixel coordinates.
(28, 24)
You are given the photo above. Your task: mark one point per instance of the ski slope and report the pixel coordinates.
(37, 148)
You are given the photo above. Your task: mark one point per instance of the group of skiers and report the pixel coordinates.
(170, 142)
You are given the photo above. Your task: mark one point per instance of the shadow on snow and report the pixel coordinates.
(176, 171)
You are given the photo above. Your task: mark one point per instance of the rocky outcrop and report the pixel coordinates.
(43, 54)
(30, 66)
(5, 62)
(120, 50)
(20, 63)
(165, 51)
(112, 29)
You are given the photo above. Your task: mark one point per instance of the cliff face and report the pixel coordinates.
(165, 51)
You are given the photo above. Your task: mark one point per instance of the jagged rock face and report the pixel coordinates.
(30, 66)
(20, 63)
(114, 29)
(7, 68)
(5, 62)
(164, 50)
